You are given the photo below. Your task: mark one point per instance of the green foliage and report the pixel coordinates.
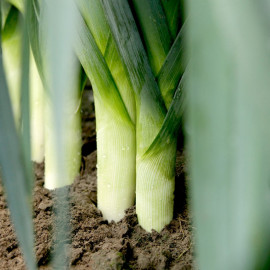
(15, 174)
(228, 120)
(155, 156)
(134, 53)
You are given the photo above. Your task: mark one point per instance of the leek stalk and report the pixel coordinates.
(36, 113)
(115, 112)
(62, 97)
(11, 47)
(12, 43)
(41, 105)
(15, 175)
(228, 117)
(71, 140)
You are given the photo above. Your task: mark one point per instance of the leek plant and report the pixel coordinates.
(62, 98)
(12, 58)
(41, 110)
(154, 72)
(62, 80)
(130, 106)
(11, 48)
(63, 132)
(115, 111)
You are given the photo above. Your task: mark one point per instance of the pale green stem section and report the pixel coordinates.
(5, 8)
(94, 17)
(11, 49)
(116, 144)
(12, 43)
(155, 31)
(154, 173)
(62, 98)
(155, 188)
(17, 3)
(228, 121)
(116, 149)
(120, 77)
(72, 142)
(36, 113)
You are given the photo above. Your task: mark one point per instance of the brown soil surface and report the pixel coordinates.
(94, 243)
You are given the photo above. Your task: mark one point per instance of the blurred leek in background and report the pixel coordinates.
(63, 130)
(15, 171)
(228, 100)
(41, 103)
(12, 43)
(63, 96)
(61, 77)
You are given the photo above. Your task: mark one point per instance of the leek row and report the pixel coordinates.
(133, 94)
(154, 168)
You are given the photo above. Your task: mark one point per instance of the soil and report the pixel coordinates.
(94, 243)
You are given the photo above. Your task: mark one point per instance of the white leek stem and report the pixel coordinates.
(155, 183)
(36, 113)
(72, 142)
(116, 152)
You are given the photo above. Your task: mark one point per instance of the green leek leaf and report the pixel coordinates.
(62, 97)
(14, 174)
(97, 70)
(34, 36)
(155, 31)
(94, 17)
(172, 9)
(150, 105)
(172, 121)
(173, 68)
(25, 101)
(19, 4)
(5, 7)
(228, 116)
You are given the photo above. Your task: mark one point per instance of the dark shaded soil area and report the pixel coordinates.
(95, 244)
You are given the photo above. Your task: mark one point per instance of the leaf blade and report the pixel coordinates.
(15, 176)
(150, 105)
(173, 68)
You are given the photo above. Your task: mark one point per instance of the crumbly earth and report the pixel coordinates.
(94, 243)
